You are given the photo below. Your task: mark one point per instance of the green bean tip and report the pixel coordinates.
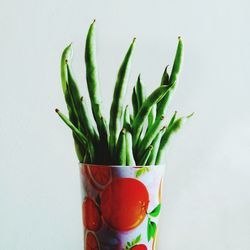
(189, 116)
(56, 110)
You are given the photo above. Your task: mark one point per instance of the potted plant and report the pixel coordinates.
(121, 161)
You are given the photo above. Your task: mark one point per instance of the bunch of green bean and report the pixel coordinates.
(132, 138)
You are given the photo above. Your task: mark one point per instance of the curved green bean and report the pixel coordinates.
(129, 143)
(139, 92)
(80, 151)
(118, 96)
(64, 59)
(144, 159)
(172, 80)
(83, 116)
(121, 148)
(165, 77)
(173, 128)
(156, 145)
(135, 103)
(152, 116)
(93, 85)
(152, 99)
(150, 136)
(177, 62)
(80, 136)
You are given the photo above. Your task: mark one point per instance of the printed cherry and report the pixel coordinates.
(124, 203)
(91, 242)
(99, 176)
(91, 215)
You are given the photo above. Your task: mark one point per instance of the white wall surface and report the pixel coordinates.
(207, 200)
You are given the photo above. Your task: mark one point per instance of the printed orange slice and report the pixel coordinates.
(91, 242)
(124, 203)
(99, 176)
(139, 247)
(91, 215)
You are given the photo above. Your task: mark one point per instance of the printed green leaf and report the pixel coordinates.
(138, 239)
(156, 211)
(134, 242)
(149, 230)
(153, 229)
(141, 171)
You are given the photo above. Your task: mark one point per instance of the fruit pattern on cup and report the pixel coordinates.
(133, 245)
(91, 241)
(121, 204)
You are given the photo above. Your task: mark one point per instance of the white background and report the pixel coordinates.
(207, 199)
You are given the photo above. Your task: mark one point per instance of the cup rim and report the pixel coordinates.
(119, 166)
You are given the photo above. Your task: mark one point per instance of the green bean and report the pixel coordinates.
(118, 96)
(172, 80)
(140, 99)
(165, 77)
(150, 135)
(177, 62)
(156, 145)
(80, 136)
(135, 103)
(80, 108)
(126, 119)
(152, 99)
(80, 151)
(64, 59)
(152, 116)
(144, 159)
(173, 128)
(139, 92)
(172, 120)
(131, 118)
(163, 104)
(121, 148)
(129, 143)
(93, 86)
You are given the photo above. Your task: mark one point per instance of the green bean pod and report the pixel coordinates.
(173, 128)
(163, 104)
(129, 143)
(139, 92)
(80, 151)
(94, 86)
(118, 97)
(165, 77)
(144, 159)
(121, 148)
(172, 120)
(177, 62)
(172, 80)
(80, 136)
(150, 136)
(81, 111)
(156, 145)
(134, 103)
(146, 107)
(152, 116)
